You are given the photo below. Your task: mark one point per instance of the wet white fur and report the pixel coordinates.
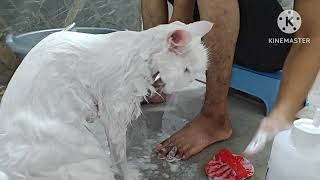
(70, 78)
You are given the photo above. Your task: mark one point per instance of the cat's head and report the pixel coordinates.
(183, 56)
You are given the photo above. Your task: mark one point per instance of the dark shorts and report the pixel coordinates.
(258, 23)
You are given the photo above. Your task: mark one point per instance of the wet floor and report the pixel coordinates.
(158, 122)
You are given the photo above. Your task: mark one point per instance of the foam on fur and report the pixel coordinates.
(71, 78)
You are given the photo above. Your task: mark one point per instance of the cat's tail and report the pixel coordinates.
(33, 149)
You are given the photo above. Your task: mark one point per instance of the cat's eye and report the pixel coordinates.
(186, 70)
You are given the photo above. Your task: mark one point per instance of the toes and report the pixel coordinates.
(162, 145)
(172, 152)
(168, 153)
(162, 157)
(174, 148)
(167, 149)
(166, 142)
(187, 154)
(171, 155)
(182, 150)
(158, 147)
(179, 155)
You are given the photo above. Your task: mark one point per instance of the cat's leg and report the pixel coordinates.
(116, 136)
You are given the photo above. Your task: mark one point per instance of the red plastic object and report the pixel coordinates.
(227, 166)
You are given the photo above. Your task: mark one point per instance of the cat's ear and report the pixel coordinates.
(179, 38)
(199, 28)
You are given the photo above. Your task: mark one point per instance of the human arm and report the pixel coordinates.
(300, 70)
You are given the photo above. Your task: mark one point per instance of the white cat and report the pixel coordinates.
(71, 78)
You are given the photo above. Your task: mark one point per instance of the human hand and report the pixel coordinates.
(269, 127)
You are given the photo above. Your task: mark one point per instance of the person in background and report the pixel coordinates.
(240, 35)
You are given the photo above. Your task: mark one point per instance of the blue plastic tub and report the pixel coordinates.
(23, 43)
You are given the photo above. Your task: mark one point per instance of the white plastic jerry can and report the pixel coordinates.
(295, 153)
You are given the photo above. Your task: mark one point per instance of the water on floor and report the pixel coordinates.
(158, 122)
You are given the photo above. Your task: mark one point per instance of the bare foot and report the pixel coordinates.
(195, 136)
